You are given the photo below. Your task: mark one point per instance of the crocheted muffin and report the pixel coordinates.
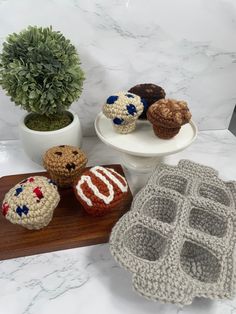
(31, 202)
(100, 190)
(124, 109)
(149, 94)
(167, 117)
(64, 164)
(165, 133)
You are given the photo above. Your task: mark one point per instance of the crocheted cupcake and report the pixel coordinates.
(124, 109)
(31, 203)
(167, 116)
(64, 164)
(100, 190)
(149, 94)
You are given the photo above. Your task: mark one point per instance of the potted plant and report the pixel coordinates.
(40, 70)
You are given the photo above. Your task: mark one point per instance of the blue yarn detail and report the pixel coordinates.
(18, 191)
(129, 95)
(118, 121)
(144, 102)
(111, 99)
(131, 109)
(51, 182)
(22, 210)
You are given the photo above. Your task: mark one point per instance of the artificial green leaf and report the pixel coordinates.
(45, 63)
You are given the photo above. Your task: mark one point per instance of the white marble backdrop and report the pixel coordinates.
(188, 47)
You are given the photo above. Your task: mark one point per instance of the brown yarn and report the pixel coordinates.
(102, 179)
(150, 93)
(169, 113)
(167, 116)
(64, 164)
(165, 133)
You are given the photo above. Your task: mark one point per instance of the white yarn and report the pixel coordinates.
(106, 199)
(107, 171)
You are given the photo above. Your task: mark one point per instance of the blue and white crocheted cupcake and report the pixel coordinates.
(124, 109)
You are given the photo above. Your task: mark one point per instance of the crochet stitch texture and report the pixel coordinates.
(31, 203)
(100, 190)
(148, 92)
(124, 109)
(167, 116)
(64, 164)
(178, 239)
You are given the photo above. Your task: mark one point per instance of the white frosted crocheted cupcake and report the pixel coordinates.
(100, 190)
(124, 109)
(31, 202)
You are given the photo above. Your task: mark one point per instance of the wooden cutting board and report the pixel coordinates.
(70, 227)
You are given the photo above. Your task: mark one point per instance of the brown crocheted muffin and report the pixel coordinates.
(167, 117)
(64, 164)
(165, 133)
(100, 190)
(149, 94)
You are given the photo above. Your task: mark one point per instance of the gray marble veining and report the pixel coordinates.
(187, 47)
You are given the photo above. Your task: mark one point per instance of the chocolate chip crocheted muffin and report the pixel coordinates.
(31, 202)
(64, 164)
(149, 94)
(167, 116)
(100, 190)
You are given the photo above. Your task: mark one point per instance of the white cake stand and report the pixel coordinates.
(141, 149)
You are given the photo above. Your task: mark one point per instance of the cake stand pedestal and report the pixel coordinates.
(141, 149)
(142, 164)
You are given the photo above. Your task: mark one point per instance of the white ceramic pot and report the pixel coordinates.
(35, 143)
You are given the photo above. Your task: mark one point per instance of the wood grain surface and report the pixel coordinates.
(70, 227)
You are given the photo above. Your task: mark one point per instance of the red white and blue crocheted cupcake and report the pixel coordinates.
(31, 202)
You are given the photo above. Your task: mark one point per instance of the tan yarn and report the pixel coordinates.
(179, 237)
(64, 164)
(126, 128)
(118, 110)
(40, 211)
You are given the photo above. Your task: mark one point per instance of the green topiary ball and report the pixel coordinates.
(40, 70)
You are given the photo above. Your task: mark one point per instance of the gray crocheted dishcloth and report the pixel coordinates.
(178, 238)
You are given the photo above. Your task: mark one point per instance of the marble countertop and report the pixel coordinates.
(88, 280)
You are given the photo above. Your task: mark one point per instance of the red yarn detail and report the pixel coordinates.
(38, 193)
(5, 208)
(31, 179)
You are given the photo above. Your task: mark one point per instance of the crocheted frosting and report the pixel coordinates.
(149, 94)
(178, 238)
(124, 109)
(100, 190)
(64, 164)
(31, 202)
(167, 117)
